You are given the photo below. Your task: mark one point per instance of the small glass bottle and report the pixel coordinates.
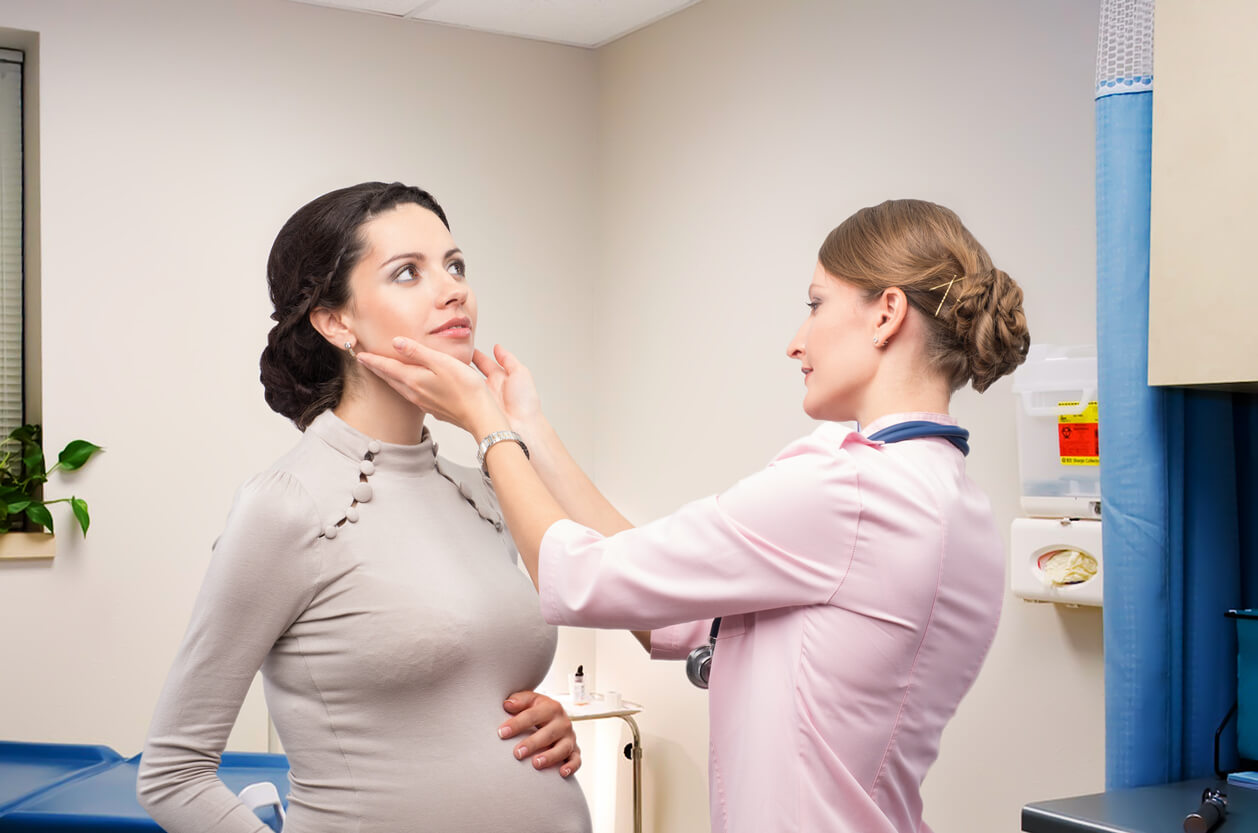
(579, 695)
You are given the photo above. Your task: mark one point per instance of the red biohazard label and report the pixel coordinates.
(1078, 440)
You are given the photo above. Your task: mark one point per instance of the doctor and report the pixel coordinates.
(858, 577)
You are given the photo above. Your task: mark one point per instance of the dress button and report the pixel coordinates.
(351, 515)
(329, 531)
(367, 467)
(374, 447)
(362, 492)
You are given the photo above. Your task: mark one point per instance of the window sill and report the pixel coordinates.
(27, 546)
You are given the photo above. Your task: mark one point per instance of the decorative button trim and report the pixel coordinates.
(361, 493)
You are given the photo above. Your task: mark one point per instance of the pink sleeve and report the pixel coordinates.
(677, 641)
(781, 537)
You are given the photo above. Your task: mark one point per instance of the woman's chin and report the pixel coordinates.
(461, 349)
(813, 408)
(826, 411)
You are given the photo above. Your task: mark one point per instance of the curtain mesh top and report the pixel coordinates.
(1124, 55)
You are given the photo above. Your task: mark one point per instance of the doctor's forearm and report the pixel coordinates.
(527, 505)
(569, 484)
(573, 489)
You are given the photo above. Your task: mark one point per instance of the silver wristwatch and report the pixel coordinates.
(492, 440)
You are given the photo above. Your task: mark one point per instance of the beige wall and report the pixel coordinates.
(733, 136)
(641, 224)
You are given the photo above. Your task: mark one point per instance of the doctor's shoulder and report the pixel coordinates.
(811, 470)
(828, 445)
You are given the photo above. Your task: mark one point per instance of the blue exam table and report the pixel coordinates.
(91, 789)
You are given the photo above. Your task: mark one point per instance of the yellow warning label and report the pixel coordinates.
(1078, 438)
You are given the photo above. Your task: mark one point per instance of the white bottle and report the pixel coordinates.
(579, 695)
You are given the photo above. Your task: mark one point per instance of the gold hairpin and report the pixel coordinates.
(949, 284)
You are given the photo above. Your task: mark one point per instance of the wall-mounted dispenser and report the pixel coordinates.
(1055, 555)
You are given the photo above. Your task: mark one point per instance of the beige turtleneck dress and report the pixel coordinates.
(377, 589)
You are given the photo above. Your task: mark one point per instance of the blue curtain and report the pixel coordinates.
(1178, 488)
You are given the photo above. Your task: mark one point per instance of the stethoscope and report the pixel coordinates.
(699, 662)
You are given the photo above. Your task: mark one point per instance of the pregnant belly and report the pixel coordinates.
(468, 786)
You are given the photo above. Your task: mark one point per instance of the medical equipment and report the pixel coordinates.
(1210, 814)
(1055, 553)
(699, 662)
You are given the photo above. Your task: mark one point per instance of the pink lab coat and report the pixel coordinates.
(860, 585)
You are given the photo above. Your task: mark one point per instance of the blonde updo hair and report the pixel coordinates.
(976, 330)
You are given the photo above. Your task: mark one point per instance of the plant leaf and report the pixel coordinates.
(75, 454)
(25, 434)
(80, 512)
(17, 506)
(33, 459)
(39, 514)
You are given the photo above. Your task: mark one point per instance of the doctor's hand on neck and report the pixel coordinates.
(441, 385)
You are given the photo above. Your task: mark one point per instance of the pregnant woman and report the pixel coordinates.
(372, 581)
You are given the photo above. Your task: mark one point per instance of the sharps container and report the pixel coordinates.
(1058, 439)
(1246, 682)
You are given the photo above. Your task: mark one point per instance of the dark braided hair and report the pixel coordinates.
(309, 266)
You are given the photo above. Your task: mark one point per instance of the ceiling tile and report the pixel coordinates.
(589, 23)
(397, 8)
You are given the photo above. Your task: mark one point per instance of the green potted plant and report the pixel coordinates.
(23, 472)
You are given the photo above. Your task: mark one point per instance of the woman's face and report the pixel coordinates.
(411, 281)
(835, 348)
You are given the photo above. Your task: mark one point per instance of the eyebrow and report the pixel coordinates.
(419, 256)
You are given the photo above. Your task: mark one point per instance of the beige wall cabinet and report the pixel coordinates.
(1203, 268)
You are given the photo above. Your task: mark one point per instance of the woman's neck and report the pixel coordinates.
(369, 405)
(902, 395)
(869, 416)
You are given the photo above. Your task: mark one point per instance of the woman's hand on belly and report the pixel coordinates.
(553, 741)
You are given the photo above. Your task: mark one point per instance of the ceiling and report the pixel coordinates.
(588, 23)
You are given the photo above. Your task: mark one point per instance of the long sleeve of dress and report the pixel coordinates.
(781, 537)
(261, 576)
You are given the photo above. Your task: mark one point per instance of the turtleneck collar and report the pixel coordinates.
(386, 457)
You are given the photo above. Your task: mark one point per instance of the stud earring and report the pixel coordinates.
(349, 345)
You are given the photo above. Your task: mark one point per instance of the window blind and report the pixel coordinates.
(11, 334)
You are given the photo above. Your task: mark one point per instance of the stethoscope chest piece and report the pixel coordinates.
(699, 661)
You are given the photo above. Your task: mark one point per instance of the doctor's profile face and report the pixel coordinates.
(834, 347)
(411, 281)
